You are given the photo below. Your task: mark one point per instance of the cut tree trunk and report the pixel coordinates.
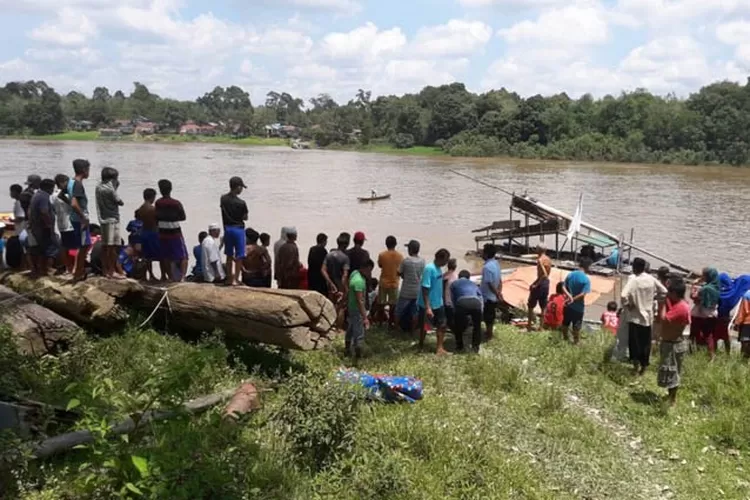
(293, 319)
(36, 330)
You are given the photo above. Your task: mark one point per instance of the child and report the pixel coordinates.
(553, 313)
(742, 324)
(675, 316)
(610, 320)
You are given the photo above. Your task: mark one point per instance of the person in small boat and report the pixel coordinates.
(576, 286)
(675, 316)
(373, 193)
(256, 267)
(539, 289)
(705, 312)
(315, 258)
(288, 263)
(467, 301)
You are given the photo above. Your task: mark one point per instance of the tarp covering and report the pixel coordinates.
(388, 388)
(732, 291)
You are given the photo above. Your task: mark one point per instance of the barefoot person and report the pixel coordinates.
(150, 249)
(169, 214)
(539, 289)
(705, 312)
(357, 312)
(389, 262)
(492, 288)
(335, 271)
(315, 258)
(108, 204)
(675, 316)
(42, 226)
(79, 202)
(576, 286)
(256, 266)
(430, 304)
(233, 215)
(467, 301)
(638, 298)
(61, 203)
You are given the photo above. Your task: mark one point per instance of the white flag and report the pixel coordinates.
(575, 224)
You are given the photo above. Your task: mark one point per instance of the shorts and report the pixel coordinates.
(234, 242)
(439, 319)
(406, 309)
(670, 365)
(388, 296)
(81, 237)
(68, 239)
(111, 234)
(572, 317)
(539, 295)
(172, 248)
(744, 333)
(45, 245)
(355, 330)
(150, 247)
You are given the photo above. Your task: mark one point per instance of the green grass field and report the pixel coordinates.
(529, 418)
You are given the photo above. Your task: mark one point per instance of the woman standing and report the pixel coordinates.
(705, 312)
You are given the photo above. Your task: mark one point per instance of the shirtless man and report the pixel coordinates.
(146, 213)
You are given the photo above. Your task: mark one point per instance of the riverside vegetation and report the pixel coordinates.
(530, 417)
(710, 126)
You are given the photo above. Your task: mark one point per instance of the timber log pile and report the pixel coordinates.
(293, 319)
(36, 330)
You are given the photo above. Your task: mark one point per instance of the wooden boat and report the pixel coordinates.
(375, 198)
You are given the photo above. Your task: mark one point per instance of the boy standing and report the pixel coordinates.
(146, 213)
(675, 316)
(358, 322)
(233, 215)
(108, 204)
(430, 304)
(79, 218)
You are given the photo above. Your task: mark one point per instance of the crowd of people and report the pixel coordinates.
(55, 235)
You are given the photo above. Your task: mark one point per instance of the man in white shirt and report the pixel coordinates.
(638, 299)
(213, 271)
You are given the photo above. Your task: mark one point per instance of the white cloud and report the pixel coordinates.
(341, 6)
(279, 41)
(246, 67)
(421, 71)
(455, 38)
(71, 28)
(512, 3)
(571, 25)
(674, 14)
(312, 71)
(366, 43)
(83, 55)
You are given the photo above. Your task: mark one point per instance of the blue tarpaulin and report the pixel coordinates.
(732, 291)
(389, 388)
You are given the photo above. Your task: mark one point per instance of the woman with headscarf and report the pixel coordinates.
(704, 316)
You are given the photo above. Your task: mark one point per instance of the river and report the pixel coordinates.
(694, 215)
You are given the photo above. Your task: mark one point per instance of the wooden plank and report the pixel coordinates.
(500, 224)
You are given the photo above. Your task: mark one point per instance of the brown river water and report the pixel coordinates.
(696, 216)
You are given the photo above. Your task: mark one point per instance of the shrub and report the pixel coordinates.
(403, 141)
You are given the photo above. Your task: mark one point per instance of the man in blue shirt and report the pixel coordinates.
(577, 285)
(467, 303)
(430, 304)
(491, 287)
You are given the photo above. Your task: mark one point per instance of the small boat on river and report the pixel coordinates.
(375, 198)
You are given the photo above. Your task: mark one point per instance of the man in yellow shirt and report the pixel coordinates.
(389, 262)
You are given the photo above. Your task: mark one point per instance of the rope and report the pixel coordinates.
(163, 298)
(22, 295)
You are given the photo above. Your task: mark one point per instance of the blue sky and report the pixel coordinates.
(183, 48)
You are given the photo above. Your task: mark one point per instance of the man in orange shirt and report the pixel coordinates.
(389, 262)
(539, 289)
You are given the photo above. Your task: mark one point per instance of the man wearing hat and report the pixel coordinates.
(357, 255)
(233, 215)
(410, 270)
(213, 271)
(33, 183)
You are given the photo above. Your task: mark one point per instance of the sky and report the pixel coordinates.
(184, 48)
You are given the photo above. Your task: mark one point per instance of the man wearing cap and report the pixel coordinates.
(213, 271)
(233, 215)
(539, 289)
(410, 270)
(33, 183)
(357, 255)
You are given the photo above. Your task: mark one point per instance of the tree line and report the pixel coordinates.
(710, 126)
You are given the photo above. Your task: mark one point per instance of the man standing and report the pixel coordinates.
(108, 206)
(638, 298)
(213, 271)
(577, 284)
(357, 254)
(491, 287)
(19, 214)
(335, 271)
(315, 259)
(42, 227)
(146, 213)
(233, 215)
(79, 202)
(61, 205)
(430, 305)
(410, 271)
(389, 262)
(169, 214)
(288, 275)
(276, 247)
(467, 303)
(33, 184)
(539, 289)
(358, 322)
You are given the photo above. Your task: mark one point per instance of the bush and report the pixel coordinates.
(403, 141)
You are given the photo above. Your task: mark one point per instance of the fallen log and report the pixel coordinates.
(293, 319)
(36, 330)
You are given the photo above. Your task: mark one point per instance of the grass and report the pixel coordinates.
(529, 418)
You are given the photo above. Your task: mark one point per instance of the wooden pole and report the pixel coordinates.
(657, 257)
(632, 237)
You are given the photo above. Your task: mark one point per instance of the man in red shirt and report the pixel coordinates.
(675, 317)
